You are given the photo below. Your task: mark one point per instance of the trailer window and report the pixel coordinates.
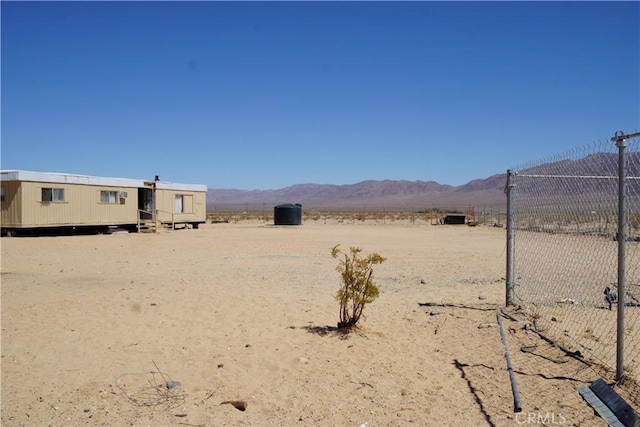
(1, 194)
(108, 196)
(179, 204)
(53, 194)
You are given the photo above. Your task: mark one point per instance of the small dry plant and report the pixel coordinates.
(358, 288)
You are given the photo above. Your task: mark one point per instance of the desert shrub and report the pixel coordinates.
(358, 288)
(312, 216)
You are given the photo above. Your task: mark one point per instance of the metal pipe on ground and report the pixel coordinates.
(517, 405)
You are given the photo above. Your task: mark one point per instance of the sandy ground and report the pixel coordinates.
(241, 312)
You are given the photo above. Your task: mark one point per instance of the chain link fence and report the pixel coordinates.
(569, 250)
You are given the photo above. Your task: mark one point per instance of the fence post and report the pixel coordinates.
(509, 219)
(621, 142)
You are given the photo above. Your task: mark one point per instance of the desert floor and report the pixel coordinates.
(244, 312)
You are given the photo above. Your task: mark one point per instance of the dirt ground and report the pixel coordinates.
(145, 329)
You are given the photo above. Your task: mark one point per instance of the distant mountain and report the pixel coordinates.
(494, 182)
(599, 164)
(597, 177)
(415, 195)
(368, 195)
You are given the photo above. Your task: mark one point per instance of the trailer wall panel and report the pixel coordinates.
(81, 205)
(11, 203)
(191, 208)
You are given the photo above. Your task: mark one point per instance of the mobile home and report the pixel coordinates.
(41, 201)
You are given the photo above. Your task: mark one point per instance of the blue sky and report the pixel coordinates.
(263, 95)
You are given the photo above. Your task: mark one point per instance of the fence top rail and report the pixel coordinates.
(574, 176)
(619, 136)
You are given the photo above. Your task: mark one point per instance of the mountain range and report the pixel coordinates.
(415, 195)
(367, 195)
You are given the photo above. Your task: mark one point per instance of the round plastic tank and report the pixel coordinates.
(287, 214)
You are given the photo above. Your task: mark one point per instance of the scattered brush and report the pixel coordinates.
(154, 388)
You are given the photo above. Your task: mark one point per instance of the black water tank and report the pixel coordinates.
(287, 214)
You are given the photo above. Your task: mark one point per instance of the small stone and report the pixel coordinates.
(220, 365)
(172, 384)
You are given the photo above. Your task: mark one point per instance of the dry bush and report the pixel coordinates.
(358, 288)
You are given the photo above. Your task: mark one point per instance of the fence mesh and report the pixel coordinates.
(565, 240)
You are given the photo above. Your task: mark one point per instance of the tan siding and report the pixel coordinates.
(193, 204)
(81, 206)
(199, 205)
(188, 203)
(11, 206)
